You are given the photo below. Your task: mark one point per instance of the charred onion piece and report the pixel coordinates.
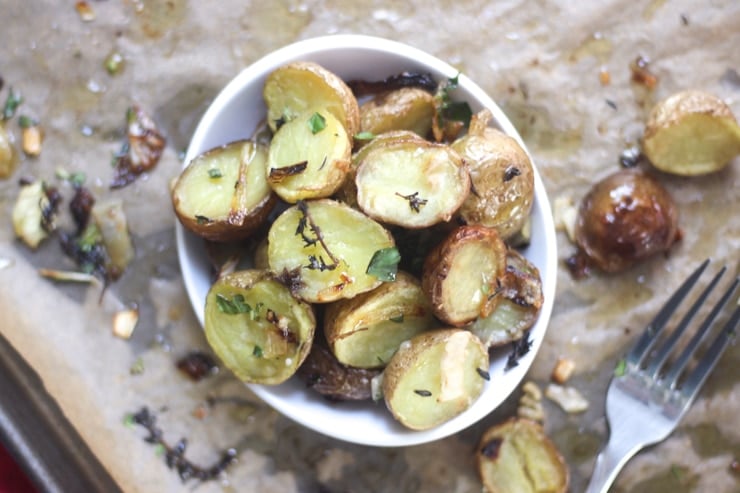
(404, 79)
(142, 150)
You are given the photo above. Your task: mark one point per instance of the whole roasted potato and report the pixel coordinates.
(502, 178)
(366, 330)
(462, 273)
(691, 133)
(223, 195)
(434, 377)
(625, 218)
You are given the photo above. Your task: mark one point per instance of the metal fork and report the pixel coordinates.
(644, 404)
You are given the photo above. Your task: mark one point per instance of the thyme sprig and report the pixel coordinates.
(415, 202)
(311, 235)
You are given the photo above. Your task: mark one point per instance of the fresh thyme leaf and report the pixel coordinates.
(384, 264)
(511, 173)
(483, 374)
(257, 352)
(232, 306)
(398, 319)
(519, 349)
(621, 368)
(415, 202)
(316, 123)
(215, 173)
(364, 135)
(423, 393)
(25, 121)
(12, 102)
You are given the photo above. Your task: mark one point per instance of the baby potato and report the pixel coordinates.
(365, 331)
(322, 373)
(434, 377)
(518, 302)
(296, 87)
(222, 195)
(502, 178)
(408, 108)
(413, 184)
(257, 328)
(309, 157)
(516, 455)
(691, 133)
(322, 250)
(461, 274)
(626, 217)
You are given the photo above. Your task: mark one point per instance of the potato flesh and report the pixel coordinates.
(297, 87)
(326, 154)
(517, 456)
(408, 108)
(223, 193)
(412, 184)
(366, 331)
(339, 224)
(268, 343)
(434, 377)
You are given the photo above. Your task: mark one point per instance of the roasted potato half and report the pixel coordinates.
(408, 108)
(434, 377)
(691, 133)
(222, 195)
(322, 250)
(324, 374)
(413, 184)
(461, 274)
(257, 328)
(519, 300)
(502, 178)
(296, 87)
(309, 156)
(516, 455)
(366, 330)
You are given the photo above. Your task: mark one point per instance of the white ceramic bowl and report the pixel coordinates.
(236, 112)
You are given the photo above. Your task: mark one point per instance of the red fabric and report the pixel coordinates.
(12, 477)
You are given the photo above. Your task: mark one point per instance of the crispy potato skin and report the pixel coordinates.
(516, 455)
(298, 86)
(625, 218)
(445, 267)
(408, 108)
(502, 178)
(691, 133)
(324, 374)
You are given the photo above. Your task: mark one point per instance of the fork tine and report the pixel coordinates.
(657, 362)
(640, 350)
(706, 365)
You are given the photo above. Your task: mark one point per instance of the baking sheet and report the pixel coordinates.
(540, 60)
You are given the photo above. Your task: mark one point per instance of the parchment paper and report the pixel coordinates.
(540, 60)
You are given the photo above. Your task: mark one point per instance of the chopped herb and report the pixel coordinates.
(621, 368)
(384, 264)
(257, 352)
(483, 374)
(511, 173)
(323, 162)
(232, 306)
(449, 109)
(113, 63)
(364, 135)
(306, 222)
(128, 420)
(316, 123)
(423, 393)
(202, 219)
(25, 121)
(159, 450)
(280, 122)
(415, 202)
(279, 174)
(215, 173)
(137, 368)
(12, 102)
(397, 319)
(519, 349)
(318, 263)
(76, 179)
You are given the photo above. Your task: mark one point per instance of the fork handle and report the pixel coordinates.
(608, 464)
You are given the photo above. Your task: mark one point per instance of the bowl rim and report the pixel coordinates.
(308, 49)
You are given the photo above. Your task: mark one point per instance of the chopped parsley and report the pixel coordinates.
(316, 123)
(384, 264)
